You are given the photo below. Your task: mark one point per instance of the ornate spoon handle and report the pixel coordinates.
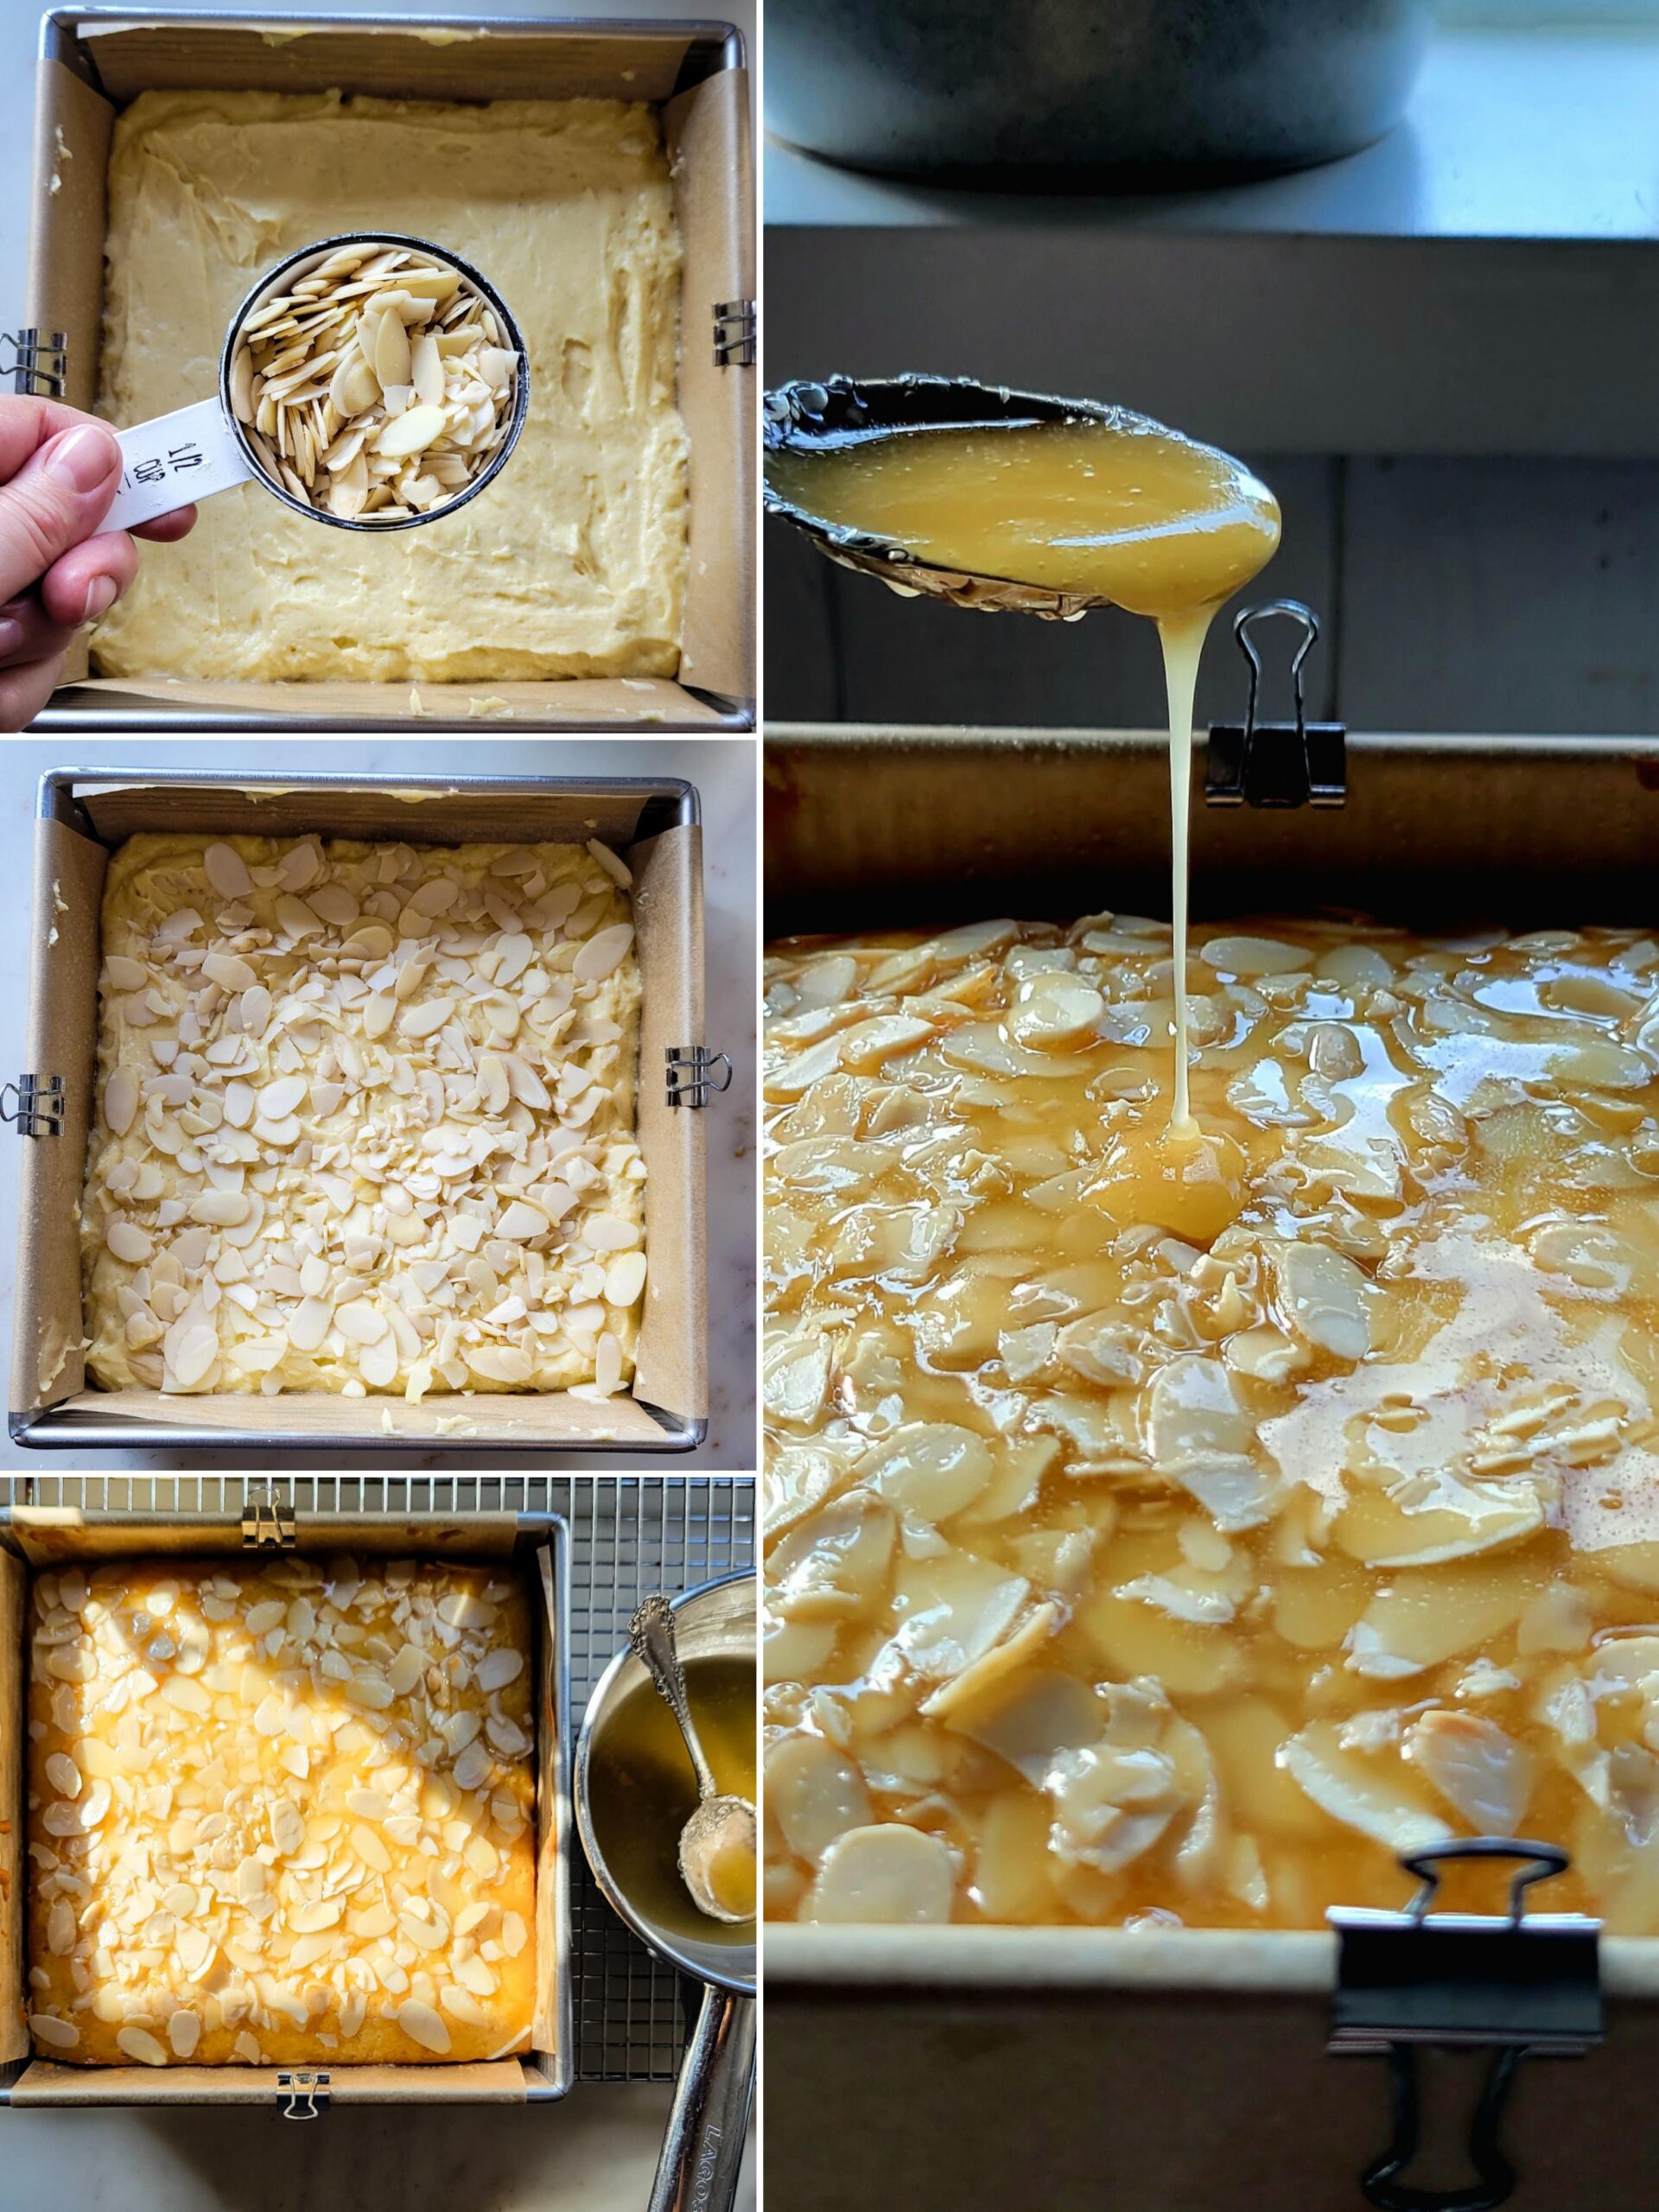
(651, 1633)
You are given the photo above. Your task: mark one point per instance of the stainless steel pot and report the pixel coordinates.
(703, 2146)
(1146, 91)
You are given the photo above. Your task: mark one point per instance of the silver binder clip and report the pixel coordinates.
(301, 2095)
(735, 333)
(692, 1080)
(267, 1521)
(38, 1105)
(39, 367)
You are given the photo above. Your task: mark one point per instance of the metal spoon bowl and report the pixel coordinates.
(722, 1822)
(806, 417)
(719, 1827)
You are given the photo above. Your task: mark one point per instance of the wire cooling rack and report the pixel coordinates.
(629, 1534)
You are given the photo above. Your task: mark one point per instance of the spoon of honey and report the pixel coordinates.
(718, 1843)
(1012, 501)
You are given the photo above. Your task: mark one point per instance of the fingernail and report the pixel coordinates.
(83, 459)
(101, 598)
(11, 634)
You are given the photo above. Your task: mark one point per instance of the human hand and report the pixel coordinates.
(59, 471)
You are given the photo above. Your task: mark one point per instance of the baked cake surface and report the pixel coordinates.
(364, 1120)
(1172, 1550)
(280, 1813)
(573, 563)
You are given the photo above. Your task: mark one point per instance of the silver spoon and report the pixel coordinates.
(720, 1823)
(807, 417)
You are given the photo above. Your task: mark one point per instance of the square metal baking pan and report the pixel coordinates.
(1184, 2068)
(33, 1538)
(93, 60)
(83, 814)
(628, 1536)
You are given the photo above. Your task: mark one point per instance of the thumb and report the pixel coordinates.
(59, 497)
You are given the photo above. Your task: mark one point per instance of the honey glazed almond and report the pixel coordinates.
(364, 1120)
(280, 1814)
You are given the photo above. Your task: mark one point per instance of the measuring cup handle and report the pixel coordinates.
(703, 2147)
(175, 459)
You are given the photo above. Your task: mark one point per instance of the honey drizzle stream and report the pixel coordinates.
(1181, 637)
(1119, 510)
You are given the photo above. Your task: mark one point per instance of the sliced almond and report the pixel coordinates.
(309, 1323)
(361, 1322)
(121, 1100)
(422, 2025)
(600, 954)
(519, 1222)
(224, 1208)
(63, 1774)
(128, 1242)
(141, 2046)
(426, 369)
(625, 1279)
(227, 872)
(194, 1355)
(284, 1096)
(378, 1363)
(412, 432)
(422, 1020)
(499, 1667)
(229, 971)
(391, 354)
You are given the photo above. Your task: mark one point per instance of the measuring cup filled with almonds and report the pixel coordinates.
(370, 382)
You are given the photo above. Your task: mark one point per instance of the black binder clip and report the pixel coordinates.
(1276, 764)
(1517, 1984)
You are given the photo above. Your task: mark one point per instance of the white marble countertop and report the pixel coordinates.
(724, 772)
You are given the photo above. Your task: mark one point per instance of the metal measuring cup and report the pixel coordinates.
(187, 456)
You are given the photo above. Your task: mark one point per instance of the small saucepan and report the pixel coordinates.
(703, 2146)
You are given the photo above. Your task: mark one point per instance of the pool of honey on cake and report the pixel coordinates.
(1188, 1551)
